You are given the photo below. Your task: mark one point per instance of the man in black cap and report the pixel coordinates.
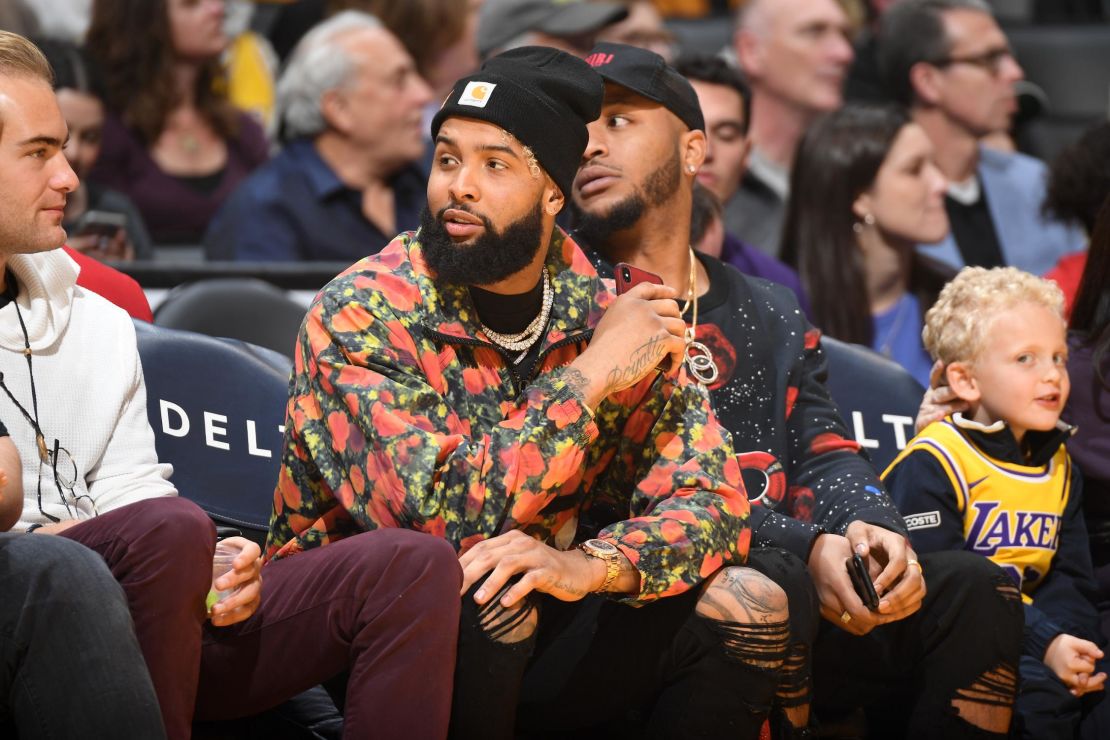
(821, 501)
(477, 380)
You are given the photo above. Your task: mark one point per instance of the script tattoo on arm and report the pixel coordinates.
(643, 357)
(577, 382)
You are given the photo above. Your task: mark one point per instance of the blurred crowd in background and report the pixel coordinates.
(210, 132)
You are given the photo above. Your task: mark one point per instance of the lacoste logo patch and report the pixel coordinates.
(477, 93)
(924, 520)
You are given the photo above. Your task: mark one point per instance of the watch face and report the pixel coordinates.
(601, 546)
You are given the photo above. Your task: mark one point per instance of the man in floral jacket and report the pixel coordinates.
(478, 381)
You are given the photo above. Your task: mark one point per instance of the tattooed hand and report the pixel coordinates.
(639, 329)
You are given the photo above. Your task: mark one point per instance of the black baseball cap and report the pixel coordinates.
(648, 74)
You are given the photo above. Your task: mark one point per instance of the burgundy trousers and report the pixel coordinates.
(382, 606)
(160, 551)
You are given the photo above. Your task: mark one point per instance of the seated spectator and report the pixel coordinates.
(72, 666)
(813, 495)
(1089, 405)
(485, 384)
(725, 101)
(998, 481)
(71, 375)
(172, 143)
(569, 25)
(950, 63)
(351, 104)
(643, 28)
(1078, 182)
(864, 192)
(120, 236)
(795, 55)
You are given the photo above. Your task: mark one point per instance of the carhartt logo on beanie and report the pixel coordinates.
(476, 93)
(542, 96)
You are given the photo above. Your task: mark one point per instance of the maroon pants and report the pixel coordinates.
(382, 606)
(160, 551)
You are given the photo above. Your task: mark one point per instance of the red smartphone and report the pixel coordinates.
(629, 276)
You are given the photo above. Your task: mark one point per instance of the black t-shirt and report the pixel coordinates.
(974, 232)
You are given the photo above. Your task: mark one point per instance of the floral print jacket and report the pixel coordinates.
(402, 414)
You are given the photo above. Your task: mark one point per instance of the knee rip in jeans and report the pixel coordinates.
(1007, 589)
(794, 687)
(748, 611)
(508, 624)
(987, 703)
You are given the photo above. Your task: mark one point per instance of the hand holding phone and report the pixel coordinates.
(861, 582)
(102, 235)
(628, 276)
(100, 223)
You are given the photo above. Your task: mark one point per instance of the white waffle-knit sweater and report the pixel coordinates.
(91, 395)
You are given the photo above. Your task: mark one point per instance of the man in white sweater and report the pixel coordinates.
(72, 393)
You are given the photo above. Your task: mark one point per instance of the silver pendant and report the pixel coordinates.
(701, 364)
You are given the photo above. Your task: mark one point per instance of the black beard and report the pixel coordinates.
(594, 229)
(491, 257)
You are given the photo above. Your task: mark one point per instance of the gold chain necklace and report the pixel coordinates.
(698, 356)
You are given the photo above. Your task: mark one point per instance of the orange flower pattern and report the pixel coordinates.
(402, 414)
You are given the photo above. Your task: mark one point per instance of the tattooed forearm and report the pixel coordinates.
(644, 357)
(576, 381)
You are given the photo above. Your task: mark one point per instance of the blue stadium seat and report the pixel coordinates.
(877, 398)
(217, 407)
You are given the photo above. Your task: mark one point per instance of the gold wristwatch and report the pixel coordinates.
(607, 552)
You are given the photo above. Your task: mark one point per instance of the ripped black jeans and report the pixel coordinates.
(597, 666)
(915, 677)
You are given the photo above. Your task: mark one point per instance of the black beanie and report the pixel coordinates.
(542, 96)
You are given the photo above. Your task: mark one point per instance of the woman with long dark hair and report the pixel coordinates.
(1089, 405)
(864, 192)
(172, 142)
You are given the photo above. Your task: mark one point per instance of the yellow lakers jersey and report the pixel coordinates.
(1011, 512)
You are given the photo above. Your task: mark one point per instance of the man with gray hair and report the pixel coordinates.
(950, 63)
(350, 105)
(795, 55)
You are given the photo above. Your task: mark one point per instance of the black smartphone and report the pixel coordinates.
(105, 224)
(861, 582)
(628, 276)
